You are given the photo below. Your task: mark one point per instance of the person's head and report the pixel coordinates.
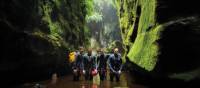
(116, 50)
(81, 50)
(89, 51)
(100, 51)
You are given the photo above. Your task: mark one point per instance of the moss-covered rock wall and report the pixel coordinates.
(36, 36)
(161, 36)
(139, 31)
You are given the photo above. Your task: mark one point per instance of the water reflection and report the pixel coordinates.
(66, 82)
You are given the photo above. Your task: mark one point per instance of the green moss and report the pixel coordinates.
(67, 21)
(116, 4)
(95, 17)
(54, 26)
(56, 41)
(144, 49)
(89, 6)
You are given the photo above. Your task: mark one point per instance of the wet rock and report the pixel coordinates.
(36, 35)
(161, 38)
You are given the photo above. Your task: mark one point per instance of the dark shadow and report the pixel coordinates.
(180, 47)
(135, 29)
(169, 9)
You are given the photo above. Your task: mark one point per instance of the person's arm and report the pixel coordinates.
(109, 64)
(98, 61)
(82, 62)
(121, 65)
(75, 63)
(94, 62)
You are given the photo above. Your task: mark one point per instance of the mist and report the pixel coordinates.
(103, 24)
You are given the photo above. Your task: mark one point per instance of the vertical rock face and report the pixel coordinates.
(139, 31)
(35, 36)
(161, 36)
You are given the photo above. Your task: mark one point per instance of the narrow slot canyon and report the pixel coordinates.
(156, 43)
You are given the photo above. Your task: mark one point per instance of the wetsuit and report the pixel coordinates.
(89, 65)
(115, 65)
(77, 67)
(102, 64)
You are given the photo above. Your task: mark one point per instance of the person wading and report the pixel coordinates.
(78, 64)
(89, 65)
(115, 65)
(101, 64)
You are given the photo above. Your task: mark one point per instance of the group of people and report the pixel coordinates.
(89, 65)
